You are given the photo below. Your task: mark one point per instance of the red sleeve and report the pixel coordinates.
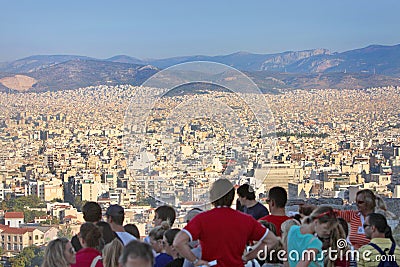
(194, 228)
(258, 230)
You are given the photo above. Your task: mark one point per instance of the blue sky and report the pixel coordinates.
(159, 29)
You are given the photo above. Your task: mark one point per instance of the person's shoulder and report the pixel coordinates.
(295, 229)
(265, 218)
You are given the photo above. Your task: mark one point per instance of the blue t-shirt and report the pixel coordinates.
(257, 211)
(162, 259)
(298, 243)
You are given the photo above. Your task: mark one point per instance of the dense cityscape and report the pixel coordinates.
(67, 147)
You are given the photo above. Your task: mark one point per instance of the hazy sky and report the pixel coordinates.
(159, 29)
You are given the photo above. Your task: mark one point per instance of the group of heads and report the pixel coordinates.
(60, 253)
(222, 193)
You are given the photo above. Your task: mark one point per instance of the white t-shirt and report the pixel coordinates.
(125, 237)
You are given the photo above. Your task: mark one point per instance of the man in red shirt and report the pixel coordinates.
(223, 232)
(277, 198)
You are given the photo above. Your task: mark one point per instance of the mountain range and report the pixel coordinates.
(372, 66)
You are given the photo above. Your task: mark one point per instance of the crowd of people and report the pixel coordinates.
(251, 235)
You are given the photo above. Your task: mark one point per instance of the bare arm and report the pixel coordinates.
(181, 244)
(269, 242)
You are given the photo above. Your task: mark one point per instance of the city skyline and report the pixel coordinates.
(161, 30)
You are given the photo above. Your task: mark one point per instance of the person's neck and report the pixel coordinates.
(278, 211)
(378, 235)
(117, 227)
(307, 228)
(251, 203)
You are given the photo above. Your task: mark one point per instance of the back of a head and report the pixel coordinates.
(166, 213)
(157, 232)
(279, 195)
(137, 250)
(111, 253)
(191, 214)
(324, 214)
(116, 213)
(91, 212)
(54, 253)
(91, 234)
(132, 229)
(106, 232)
(246, 191)
(170, 235)
(222, 193)
(306, 209)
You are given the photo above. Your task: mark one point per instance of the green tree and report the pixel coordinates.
(65, 232)
(29, 257)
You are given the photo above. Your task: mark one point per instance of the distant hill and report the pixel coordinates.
(126, 59)
(81, 73)
(372, 66)
(34, 63)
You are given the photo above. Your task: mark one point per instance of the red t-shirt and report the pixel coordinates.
(277, 220)
(85, 256)
(223, 234)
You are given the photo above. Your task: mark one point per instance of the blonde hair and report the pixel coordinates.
(285, 227)
(111, 253)
(369, 198)
(54, 253)
(157, 232)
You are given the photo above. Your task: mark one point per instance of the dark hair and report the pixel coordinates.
(278, 195)
(91, 212)
(306, 209)
(166, 213)
(170, 235)
(137, 249)
(297, 217)
(132, 229)
(369, 198)
(380, 222)
(107, 233)
(246, 191)
(91, 234)
(117, 219)
(226, 200)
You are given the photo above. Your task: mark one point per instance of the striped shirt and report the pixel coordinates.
(370, 257)
(353, 217)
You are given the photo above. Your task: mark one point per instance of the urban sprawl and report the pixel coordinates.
(68, 147)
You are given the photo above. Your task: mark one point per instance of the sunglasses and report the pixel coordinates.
(360, 202)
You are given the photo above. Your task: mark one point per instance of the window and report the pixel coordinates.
(9, 238)
(36, 237)
(15, 238)
(20, 239)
